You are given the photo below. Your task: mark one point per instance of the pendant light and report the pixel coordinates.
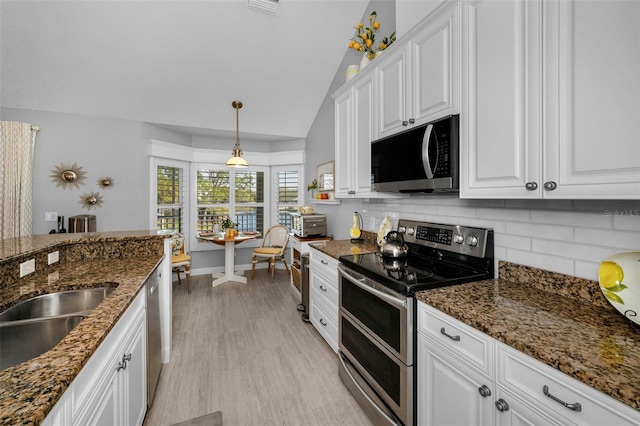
(236, 159)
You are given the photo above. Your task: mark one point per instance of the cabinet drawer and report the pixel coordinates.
(323, 289)
(473, 346)
(528, 377)
(324, 263)
(325, 321)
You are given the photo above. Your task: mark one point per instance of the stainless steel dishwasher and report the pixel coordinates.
(154, 344)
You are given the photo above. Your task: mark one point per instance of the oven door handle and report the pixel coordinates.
(384, 296)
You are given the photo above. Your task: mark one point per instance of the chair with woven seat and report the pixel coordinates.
(272, 249)
(180, 261)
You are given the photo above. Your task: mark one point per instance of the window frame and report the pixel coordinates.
(204, 245)
(156, 162)
(274, 185)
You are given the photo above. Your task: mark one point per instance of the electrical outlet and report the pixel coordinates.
(51, 217)
(53, 257)
(27, 267)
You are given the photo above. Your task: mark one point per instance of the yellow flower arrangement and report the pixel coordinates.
(365, 38)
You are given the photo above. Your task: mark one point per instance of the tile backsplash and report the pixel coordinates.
(567, 236)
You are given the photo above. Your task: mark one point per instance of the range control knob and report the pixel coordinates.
(402, 229)
(458, 238)
(473, 241)
(411, 231)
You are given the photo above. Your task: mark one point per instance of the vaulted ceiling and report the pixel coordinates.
(176, 63)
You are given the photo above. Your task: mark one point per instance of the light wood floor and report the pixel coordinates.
(242, 349)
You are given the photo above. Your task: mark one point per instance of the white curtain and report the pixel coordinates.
(17, 143)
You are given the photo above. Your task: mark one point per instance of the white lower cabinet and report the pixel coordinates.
(111, 388)
(467, 377)
(323, 296)
(448, 389)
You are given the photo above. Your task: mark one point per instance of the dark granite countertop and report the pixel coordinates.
(337, 248)
(562, 321)
(28, 391)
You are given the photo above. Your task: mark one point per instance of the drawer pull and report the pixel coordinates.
(456, 338)
(575, 406)
(322, 288)
(484, 391)
(324, 262)
(322, 322)
(502, 405)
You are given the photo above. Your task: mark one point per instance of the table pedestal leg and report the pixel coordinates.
(229, 275)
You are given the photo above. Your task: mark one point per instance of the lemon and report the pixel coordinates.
(354, 232)
(369, 42)
(376, 25)
(610, 274)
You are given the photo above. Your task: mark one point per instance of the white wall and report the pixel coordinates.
(102, 147)
(570, 237)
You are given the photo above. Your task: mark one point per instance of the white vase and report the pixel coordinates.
(364, 61)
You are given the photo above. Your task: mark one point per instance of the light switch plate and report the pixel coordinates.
(27, 267)
(51, 217)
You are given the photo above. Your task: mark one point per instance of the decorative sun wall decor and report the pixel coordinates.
(106, 182)
(68, 176)
(91, 200)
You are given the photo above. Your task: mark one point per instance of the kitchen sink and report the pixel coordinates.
(34, 326)
(56, 304)
(23, 340)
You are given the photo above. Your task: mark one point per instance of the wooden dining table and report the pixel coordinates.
(229, 244)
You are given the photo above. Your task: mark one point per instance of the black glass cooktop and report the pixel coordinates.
(413, 273)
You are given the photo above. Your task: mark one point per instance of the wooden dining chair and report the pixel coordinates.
(180, 261)
(272, 249)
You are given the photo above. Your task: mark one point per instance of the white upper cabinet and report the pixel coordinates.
(550, 99)
(418, 81)
(592, 130)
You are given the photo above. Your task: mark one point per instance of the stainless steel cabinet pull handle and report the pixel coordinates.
(126, 357)
(122, 366)
(351, 192)
(405, 123)
(456, 338)
(502, 405)
(322, 322)
(531, 186)
(412, 120)
(322, 288)
(550, 186)
(324, 262)
(484, 391)
(575, 406)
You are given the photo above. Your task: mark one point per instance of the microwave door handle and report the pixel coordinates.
(390, 299)
(425, 151)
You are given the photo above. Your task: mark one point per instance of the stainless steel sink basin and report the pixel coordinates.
(24, 340)
(56, 304)
(34, 326)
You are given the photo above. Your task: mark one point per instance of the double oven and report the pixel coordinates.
(377, 333)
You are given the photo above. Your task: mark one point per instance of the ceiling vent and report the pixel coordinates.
(268, 6)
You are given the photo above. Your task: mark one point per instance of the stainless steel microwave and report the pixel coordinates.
(421, 159)
(308, 225)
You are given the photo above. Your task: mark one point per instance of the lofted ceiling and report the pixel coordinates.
(178, 64)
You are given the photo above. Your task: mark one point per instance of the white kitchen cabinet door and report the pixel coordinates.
(448, 390)
(501, 94)
(134, 381)
(592, 147)
(435, 52)
(515, 412)
(420, 81)
(394, 85)
(364, 104)
(343, 144)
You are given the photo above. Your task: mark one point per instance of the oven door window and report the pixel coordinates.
(382, 319)
(384, 369)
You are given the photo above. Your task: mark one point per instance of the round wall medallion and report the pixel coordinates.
(68, 175)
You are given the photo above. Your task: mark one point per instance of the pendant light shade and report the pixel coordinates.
(236, 159)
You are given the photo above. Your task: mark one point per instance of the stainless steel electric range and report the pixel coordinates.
(377, 310)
